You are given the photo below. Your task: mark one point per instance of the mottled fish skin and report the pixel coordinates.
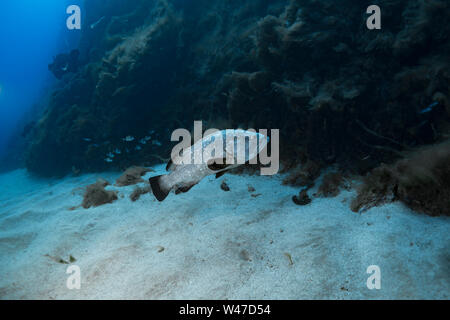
(183, 176)
(429, 108)
(228, 136)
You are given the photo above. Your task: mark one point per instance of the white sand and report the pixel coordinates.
(218, 245)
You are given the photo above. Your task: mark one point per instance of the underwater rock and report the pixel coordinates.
(64, 63)
(160, 249)
(132, 176)
(28, 128)
(61, 260)
(244, 255)
(224, 186)
(302, 199)
(96, 195)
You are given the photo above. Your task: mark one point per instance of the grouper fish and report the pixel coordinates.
(216, 154)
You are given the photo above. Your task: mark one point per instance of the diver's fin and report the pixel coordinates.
(219, 174)
(159, 192)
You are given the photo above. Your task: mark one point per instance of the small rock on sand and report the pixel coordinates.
(224, 186)
(160, 249)
(302, 199)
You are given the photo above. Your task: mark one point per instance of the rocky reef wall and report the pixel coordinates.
(338, 92)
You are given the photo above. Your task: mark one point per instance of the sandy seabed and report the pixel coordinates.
(211, 244)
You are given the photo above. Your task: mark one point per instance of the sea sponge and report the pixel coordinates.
(96, 195)
(132, 176)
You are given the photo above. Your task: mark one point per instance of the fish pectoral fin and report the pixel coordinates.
(214, 166)
(219, 174)
(169, 165)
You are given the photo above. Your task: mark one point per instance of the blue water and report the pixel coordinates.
(31, 33)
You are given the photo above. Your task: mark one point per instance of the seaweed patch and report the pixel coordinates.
(96, 195)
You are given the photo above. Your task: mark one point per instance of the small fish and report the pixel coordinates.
(128, 139)
(143, 141)
(109, 160)
(97, 23)
(183, 177)
(138, 148)
(429, 108)
(156, 143)
(147, 138)
(87, 139)
(151, 131)
(110, 155)
(117, 151)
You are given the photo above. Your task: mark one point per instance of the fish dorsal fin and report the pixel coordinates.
(212, 165)
(219, 174)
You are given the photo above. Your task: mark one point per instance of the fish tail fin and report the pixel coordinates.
(158, 190)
